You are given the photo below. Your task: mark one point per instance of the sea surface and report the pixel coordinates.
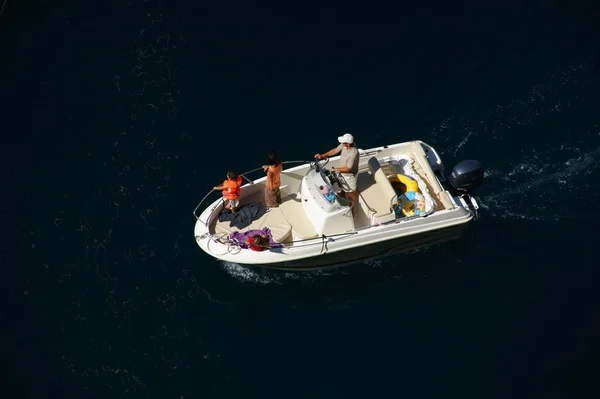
(119, 116)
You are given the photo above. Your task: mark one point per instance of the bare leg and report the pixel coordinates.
(352, 196)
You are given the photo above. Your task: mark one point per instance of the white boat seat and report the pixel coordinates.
(302, 227)
(377, 195)
(274, 220)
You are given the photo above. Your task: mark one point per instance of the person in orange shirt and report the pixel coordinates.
(231, 190)
(273, 168)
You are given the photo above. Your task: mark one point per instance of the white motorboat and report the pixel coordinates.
(405, 203)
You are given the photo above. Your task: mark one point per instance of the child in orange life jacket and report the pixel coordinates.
(231, 190)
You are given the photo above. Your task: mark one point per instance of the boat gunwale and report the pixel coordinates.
(288, 245)
(361, 154)
(293, 244)
(250, 182)
(325, 240)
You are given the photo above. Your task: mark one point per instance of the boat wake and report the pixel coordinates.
(540, 181)
(557, 92)
(539, 189)
(547, 183)
(535, 188)
(245, 274)
(248, 274)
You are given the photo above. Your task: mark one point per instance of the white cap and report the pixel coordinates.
(346, 138)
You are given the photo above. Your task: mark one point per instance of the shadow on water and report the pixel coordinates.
(410, 268)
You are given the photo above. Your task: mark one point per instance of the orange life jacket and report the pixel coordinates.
(232, 188)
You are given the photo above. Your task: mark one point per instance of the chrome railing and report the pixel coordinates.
(243, 175)
(326, 178)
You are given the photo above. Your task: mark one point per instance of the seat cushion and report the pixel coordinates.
(302, 226)
(377, 193)
(277, 223)
(274, 220)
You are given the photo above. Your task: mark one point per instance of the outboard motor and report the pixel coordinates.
(466, 177)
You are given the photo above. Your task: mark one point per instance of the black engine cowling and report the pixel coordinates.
(466, 176)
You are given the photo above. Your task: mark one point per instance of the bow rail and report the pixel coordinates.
(243, 175)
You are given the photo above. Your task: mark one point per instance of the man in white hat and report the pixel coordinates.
(348, 165)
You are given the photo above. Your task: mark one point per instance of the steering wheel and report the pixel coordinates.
(333, 177)
(318, 166)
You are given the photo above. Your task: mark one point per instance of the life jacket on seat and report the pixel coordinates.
(231, 188)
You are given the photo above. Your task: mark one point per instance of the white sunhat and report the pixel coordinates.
(346, 138)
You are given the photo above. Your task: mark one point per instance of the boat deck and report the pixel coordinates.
(289, 223)
(286, 221)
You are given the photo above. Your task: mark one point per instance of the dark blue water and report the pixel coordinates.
(118, 118)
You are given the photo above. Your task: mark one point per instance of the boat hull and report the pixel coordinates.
(318, 233)
(373, 251)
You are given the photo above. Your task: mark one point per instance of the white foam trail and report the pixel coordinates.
(464, 141)
(533, 198)
(585, 163)
(246, 275)
(551, 96)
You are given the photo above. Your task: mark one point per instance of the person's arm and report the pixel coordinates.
(220, 187)
(349, 162)
(330, 153)
(343, 169)
(266, 242)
